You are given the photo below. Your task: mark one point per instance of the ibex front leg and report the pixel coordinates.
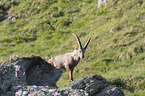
(70, 70)
(70, 75)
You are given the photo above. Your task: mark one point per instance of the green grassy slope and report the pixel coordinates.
(45, 27)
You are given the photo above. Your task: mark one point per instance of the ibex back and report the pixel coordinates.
(68, 61)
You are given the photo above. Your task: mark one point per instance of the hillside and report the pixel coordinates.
(45, 27)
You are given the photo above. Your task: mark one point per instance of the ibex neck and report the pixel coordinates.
(75, 55)
(76, 58)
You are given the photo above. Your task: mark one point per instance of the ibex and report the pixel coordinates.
(68, 61)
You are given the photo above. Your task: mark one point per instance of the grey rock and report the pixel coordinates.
(94, 85)
(33, 76)
(89, 85)
(7, 16)
(27, 71)
(110, 90)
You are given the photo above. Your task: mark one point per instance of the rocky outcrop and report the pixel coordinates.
(4, 16)
(27, 71)
(5, 6)
(8, 17)
(33, 76)
(94, 85)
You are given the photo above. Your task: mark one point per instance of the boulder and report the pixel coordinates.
(33, 76)
(94, 85)
(27, 71)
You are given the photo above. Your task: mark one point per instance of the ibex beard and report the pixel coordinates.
(70, 60)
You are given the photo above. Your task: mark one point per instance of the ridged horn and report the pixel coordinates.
(78, 40)
(87, 43)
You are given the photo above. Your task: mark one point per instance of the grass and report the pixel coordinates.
(45, 27)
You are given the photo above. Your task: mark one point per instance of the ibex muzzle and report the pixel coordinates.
(68, 61)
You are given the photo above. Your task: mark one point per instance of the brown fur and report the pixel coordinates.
(68, 61)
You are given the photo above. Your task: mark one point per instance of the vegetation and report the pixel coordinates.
(45, 27)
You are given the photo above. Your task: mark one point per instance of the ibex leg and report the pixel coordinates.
(71, 75)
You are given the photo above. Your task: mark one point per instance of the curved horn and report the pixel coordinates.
(87, 43)
(78, 40)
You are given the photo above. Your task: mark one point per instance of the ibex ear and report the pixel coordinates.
(87, 43)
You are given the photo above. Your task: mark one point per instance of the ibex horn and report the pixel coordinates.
(78, 40)
(87, 43)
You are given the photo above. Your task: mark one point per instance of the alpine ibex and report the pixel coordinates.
(68, 61)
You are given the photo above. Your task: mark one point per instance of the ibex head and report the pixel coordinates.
(81, 49)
